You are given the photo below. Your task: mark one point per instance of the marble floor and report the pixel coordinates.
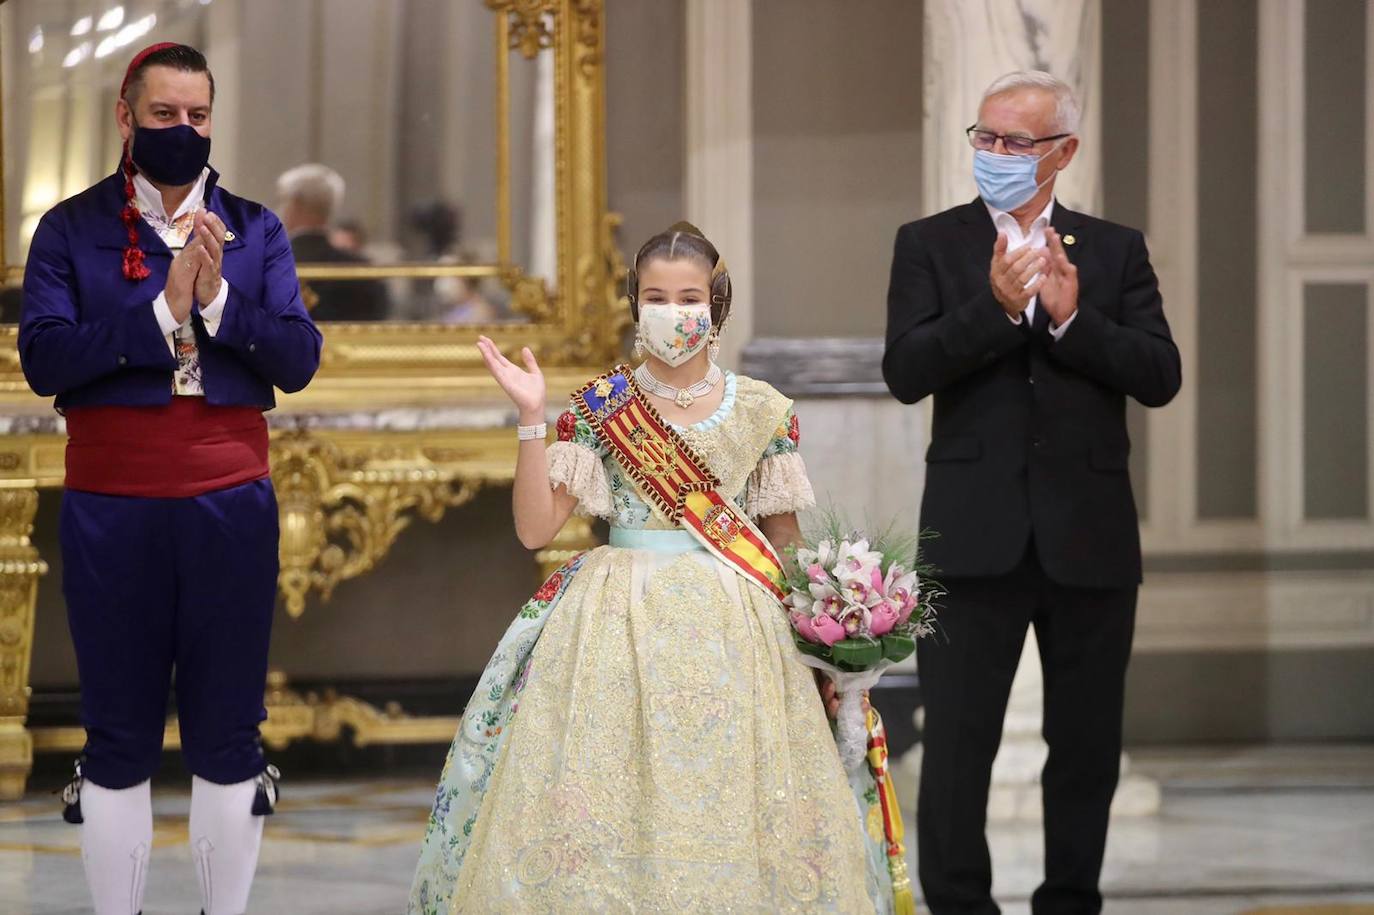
(1272, 830)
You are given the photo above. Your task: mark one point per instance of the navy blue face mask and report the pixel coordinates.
(173, 156)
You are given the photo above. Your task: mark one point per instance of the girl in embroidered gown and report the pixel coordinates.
(669, 752)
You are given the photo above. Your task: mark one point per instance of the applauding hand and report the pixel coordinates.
(525, 387)
(1059, 292)
(1015, 277)
(209, 234)
(183, 277)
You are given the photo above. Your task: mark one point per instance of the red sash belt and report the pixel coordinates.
(183, 449)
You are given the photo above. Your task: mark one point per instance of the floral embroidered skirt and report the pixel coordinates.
(669, 754)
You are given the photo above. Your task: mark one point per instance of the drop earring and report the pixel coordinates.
(639, 344)
(713, 345)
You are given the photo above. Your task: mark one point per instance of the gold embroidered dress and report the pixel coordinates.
(670, 754)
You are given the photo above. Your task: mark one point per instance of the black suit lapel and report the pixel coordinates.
(1069, 224)
(979, 236)
(1076, 234)
(112, 232)
(975, 218)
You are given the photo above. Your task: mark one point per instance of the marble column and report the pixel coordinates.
(967, 46)
(719, 190)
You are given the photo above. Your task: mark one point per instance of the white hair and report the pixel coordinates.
(1066, 113)
(317, 188)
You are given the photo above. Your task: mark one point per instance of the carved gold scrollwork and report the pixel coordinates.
(612, 280)
(289, 717)
(341, 513)
(587, 25)
(20, 569)
(529, 295)
(292, 716)
(531, 24)
(602, 279)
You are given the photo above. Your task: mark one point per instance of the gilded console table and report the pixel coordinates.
(348, 484)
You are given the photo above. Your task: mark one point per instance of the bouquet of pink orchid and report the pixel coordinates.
(857, 607)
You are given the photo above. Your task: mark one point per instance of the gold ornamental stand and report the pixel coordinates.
(20, 569)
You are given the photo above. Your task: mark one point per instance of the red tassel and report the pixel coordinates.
(134, 268)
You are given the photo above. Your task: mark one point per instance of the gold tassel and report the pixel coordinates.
(903, 900)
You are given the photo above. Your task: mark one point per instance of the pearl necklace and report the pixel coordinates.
(683, 397)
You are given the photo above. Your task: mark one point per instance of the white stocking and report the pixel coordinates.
(116, 842)
(225, 838)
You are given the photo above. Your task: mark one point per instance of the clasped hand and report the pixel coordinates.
(195, 274)
(1018, 276)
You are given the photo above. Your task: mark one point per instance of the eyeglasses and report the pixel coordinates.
(1016, 145)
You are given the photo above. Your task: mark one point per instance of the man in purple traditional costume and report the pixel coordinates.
(160, 311)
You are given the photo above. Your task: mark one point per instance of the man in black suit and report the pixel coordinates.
(1030, 324)
(307, 198)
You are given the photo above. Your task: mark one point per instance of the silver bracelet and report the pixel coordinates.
(532, 433)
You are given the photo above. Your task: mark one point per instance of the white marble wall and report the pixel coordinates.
(968, 44)
(866, 457)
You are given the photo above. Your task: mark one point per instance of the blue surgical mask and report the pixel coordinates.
(1006, 182)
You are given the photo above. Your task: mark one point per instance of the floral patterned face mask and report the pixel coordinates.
(674, 333)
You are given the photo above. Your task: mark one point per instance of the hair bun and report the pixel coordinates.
(687, 228)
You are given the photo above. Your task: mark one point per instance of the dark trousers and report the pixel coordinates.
(159, 589)
(1084, 637)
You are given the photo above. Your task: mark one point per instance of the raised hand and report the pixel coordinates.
(525, 387)
(209, 232)
(1014, 277)
(1059, 292)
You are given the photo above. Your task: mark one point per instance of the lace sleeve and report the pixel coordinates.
(779, 485)
(575, 461)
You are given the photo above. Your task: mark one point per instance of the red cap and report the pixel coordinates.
(140, 57)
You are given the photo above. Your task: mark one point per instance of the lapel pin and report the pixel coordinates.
(1070, 240)
(229, 236)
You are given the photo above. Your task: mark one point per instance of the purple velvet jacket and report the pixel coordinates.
(89, 336)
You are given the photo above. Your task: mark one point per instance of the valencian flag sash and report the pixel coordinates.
(673, 478)
(904, 902)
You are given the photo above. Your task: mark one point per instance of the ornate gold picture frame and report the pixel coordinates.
(349, 481)
(573, 320)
